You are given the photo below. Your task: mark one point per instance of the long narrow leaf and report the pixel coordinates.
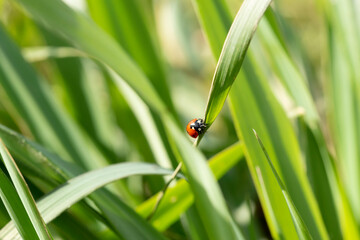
(54, 128)
(301, 228)
(122, 218)
(254, 106)
(282, 145)
(324, 180)
(133, 27)
(178, 198)
(344, 94)
(208, 197)
(232, 55)
(77, 188)
(16, 209)
(87, 36)
(146, 120)
(46, 119)
(24, 193)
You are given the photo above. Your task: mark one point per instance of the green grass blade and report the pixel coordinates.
(32, 155)
(324, 175)
(344, 92)
(287, 72)
(84, 91)
(251, 99)
(178, 198)
(300, 226)
(254, 106)
(342, 95)
(121, 217)
(194, 227)
(133, 27)
(215, 21)
(16, 209)
(233, 54)
(53, 204)
(146, 120)
(208, 197)
(324, 180)
(202, 185)
(24, 193)
(46, 119)
(86, 36)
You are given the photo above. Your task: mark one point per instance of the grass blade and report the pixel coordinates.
(252, 103)
(232, 55)
(24, 193)
(133, 27)
(47, 120)
(300, 227)
(123, 220)
(85, 35)
(324, 179)
(146, 120)
(288, 73)
(208, 197)
(344, 90)
(342, 95)
(16, 209)
(280, 138)
(53, 204)
(178, 198)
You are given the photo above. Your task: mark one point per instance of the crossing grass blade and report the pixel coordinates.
(83, 90)
(251, 105)
(133, 27)
(320, 167)
(124, 221)
(60, 199)
(288, 73)
(232, 55)
(263, 113)
(209, 200)
(300, 226)
(139, 109)
(47, 120)
(16, 209)
(146, 120)
(86, 36)
(178, 198)
(24, 193)
(344, 92)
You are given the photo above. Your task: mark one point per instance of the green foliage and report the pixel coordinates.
(95, 97)
(53, 204)
(301, 229)
(25, 196)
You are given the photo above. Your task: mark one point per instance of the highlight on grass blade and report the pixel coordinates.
(179, 198)
(60, 199)
(232, 55)
(24, 193)
(15, 208)
(301, 229)
(126, 223)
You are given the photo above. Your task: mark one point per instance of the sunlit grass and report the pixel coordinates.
(88, 89)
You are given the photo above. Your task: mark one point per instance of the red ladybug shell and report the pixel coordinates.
(191, 130)
(195, 127)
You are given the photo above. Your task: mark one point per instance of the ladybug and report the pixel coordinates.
(195, 127)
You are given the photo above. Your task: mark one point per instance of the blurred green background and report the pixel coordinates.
(64, 85)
